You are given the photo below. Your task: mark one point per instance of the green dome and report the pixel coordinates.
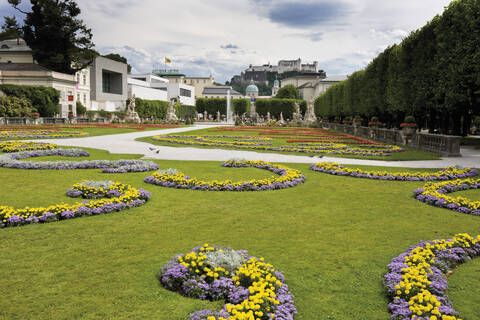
(276, 83)
(252, 88)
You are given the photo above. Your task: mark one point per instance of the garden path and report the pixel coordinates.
(125, 143)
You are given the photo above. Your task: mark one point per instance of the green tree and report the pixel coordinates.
(119, 58)
(288, 92)
(59, 40)
(11, 29)
(81, 109)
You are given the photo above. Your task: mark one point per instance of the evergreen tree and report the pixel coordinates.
(11, 29)
(59, 40)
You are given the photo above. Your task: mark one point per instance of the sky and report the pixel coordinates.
(223, 37)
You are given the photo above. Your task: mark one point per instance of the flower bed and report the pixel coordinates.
(251, 288)
(333, 148)
(436, 194)
(12, 160)
(39, 134)
(16, 146)
(444, 174)
(417, 279)
(176, 179)
(125, 197)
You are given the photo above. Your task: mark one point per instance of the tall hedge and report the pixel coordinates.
(277, 106)
(15, 107)
(184, 111)
(151, 108)
(433, 75)
(44, 99)
(212, 105)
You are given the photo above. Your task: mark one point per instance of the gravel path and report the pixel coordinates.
(125, 143)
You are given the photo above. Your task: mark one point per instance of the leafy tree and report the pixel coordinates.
(59, 40)
(81, 109)
(288, 92)
(11, 29)
(119, 58)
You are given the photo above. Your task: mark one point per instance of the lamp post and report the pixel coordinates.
(229, 108)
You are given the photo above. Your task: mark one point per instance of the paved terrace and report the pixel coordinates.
(125, 143)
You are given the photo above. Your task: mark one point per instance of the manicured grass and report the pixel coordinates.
(333, 237)
(408, 154)
(464, 284)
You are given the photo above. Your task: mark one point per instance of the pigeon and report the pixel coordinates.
(158, 151)
(151, 149)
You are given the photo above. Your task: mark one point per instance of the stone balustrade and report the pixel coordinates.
(448, 146)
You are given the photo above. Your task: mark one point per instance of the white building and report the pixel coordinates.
(140, 85)
(312, 86)
(220, 92)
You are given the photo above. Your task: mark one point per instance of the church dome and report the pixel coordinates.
(252, 88)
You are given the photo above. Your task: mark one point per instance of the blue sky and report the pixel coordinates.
(222, 37)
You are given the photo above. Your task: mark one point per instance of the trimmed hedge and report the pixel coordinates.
(212, 105)
(15, 107)
(44, 99)
(184, 111)
(151, 108)
(277, 106)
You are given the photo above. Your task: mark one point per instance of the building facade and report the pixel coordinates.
(310, 87)
(108, 85)
(199, 83)
(220, 92)
(143, 86)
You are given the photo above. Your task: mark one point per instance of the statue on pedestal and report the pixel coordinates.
(310, 117)
(297, 115)
(268, 116)
(281, 121)
(171, 116)
(132, 115)
(219, 117)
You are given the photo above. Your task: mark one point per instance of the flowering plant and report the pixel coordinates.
(176, 179)
(436, 194)
(416, 281)
(251, 288)
(444, 174)
(125, 197)
(16, 146)
(117, 166)
(39, 134)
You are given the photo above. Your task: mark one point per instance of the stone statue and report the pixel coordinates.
(310, 117)
(297, 115)
(268, 116)
(205, 115)
(219, 117)
(171, 116)
(132, 115)
(281, 121)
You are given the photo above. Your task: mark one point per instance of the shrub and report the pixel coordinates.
(212, 105)
(44, 99)
(277, 106)
(15, 107)
(81, 109)
(151, 108)
(185, 112)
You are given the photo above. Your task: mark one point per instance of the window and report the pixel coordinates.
(84, 98)
(198, 81)
(78, 96)
(84, 79)
(185, 92)
(184, 81)
(78, 78)
(204, 81)
(112, 82)
(176, 80)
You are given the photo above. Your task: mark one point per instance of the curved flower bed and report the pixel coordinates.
(417, 279)
(436, 194)
(97, 189)
(176, 179)
(16, 146)
(117, 166)
(39, 134)
(444, 174)
(327, 148)
(251, 288)
(123, 196)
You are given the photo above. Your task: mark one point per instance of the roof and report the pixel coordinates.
(22, 67)
(306, 85)
(336, 78)
(251, 88)
(12, 45)
(219, 90)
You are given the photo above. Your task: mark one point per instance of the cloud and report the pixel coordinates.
(303, 14)
(312, 36)
(229, 46)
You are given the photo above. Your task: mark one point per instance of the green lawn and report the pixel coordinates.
(333, 237)
(408, 154)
